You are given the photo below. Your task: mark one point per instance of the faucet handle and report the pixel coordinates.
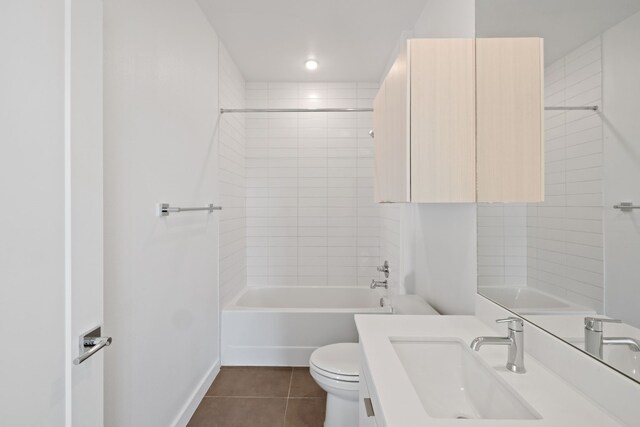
(515, 323)
(595, 323)
(384, 268)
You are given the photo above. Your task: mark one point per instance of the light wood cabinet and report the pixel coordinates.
(510, 119)
(460, 121)
(443, 154)
(391, 115)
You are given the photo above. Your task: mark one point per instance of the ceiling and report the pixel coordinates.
(352, 39)
(564, 24)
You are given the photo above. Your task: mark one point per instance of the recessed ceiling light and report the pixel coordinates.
(311, 64)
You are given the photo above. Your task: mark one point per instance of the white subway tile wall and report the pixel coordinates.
(502, 245)
(311, 217)
(565, 237)
(561, 251)
(232, 181)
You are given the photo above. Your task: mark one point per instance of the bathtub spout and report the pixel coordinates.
(379, 284)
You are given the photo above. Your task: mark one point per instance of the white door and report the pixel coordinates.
(83, 212)
(51, 214)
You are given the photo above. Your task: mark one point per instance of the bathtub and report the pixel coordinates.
(524, 300)
(281, 326)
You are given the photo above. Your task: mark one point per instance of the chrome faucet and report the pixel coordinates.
(384, 268)
(515, 341)
(379, 284)
(594, 339)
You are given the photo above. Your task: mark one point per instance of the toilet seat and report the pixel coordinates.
(340, 362)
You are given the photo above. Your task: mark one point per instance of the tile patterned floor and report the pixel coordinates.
(261, 397)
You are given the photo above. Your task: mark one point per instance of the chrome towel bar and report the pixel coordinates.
(164, 209)
(626, 206)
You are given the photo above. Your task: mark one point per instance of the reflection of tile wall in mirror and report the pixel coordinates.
(502, 245)
(556, 246)
(565, 243)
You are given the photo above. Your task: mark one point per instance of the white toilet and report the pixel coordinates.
(336, 368)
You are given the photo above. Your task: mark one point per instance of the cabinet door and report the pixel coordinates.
(397, 93)
(510, 119)
(443, 147)
(391, 127)
(366, 413)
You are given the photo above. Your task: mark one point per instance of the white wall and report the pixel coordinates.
(32, 371)
(161, 274)
(311, 219)
(445, 257)
(621, 64)
(233, 186)
(447, 18)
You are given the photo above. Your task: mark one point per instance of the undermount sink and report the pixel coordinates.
(452, 381)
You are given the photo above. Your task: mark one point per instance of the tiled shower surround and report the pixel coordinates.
(311, 219)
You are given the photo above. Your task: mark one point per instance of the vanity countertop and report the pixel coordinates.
(558, 403)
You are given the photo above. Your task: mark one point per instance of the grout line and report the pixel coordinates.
(286, 406)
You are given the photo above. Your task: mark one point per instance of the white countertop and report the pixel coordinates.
(555, 400)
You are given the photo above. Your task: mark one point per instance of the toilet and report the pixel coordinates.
(336, 368)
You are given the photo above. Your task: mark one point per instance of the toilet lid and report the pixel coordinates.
(340, 359)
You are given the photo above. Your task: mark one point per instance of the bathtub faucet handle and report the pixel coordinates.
(379, 284)
(384, 268)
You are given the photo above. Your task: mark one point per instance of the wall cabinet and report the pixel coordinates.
(460, 121)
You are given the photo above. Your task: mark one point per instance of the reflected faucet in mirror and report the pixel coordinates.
(594, 339)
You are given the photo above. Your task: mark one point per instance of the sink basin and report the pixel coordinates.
(452, 381)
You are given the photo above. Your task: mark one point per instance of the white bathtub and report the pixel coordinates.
(524, 300)
(281, 326)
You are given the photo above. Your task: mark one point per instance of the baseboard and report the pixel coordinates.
(267, 355)
(192, 404)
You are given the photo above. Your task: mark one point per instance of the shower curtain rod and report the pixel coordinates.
(586, 107)
(361, 110)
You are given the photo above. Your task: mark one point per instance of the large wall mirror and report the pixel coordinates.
(576, 255)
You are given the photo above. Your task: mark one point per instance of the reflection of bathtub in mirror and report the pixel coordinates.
(531, 301)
